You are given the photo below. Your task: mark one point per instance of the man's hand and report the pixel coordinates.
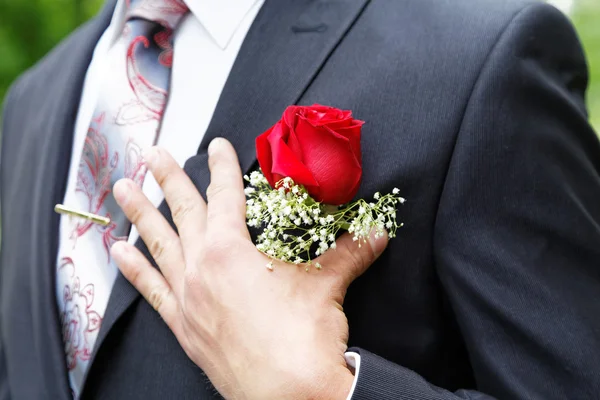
(257, 334)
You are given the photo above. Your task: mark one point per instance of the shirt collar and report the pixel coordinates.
(220, 18)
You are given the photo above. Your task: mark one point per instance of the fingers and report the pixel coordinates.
(348, 260)
(226, 199)
(148, 281)
(163, 243)
(188, 209)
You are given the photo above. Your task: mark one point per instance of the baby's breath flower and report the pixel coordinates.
(296, 227)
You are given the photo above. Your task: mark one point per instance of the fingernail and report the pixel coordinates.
(378, 242)
(214, 146)
(122, 191)
(150, 155)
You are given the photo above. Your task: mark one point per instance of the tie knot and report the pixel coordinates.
(165, 12)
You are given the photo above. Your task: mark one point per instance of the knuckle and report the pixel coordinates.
(135, 214)
(134, 275)
(215, 190)
(213, 255)
(162, 177)
(350, 256)
(191, 277)
(157, 249)
(217, 252)
(157, 296)
(182, 209)
(350, 261)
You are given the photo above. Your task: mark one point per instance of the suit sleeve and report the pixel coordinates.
(517, 235)
(4, 389)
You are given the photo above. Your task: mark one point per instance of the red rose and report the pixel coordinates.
(318, 147)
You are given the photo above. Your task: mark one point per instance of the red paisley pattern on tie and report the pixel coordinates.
(163, 40)
(95, 170)
(151, 96)
(135, 166)
(78, 319)
(167, 12)
(111, 151)
(108, 237)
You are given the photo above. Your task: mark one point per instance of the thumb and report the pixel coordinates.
(350, 259)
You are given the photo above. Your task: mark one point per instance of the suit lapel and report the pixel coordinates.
(284, 50)
(64, 80)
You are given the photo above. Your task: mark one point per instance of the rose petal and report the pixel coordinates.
(294, 145)
(319, 115)
(332, 160)
(341, 123)
(284, 161)
(353, 133)
(290, 115)
(264, 155)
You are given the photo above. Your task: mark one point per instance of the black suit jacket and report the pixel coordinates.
(474, 108)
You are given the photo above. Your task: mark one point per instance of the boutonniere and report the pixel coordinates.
(311, 169)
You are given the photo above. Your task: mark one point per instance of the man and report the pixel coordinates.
(474, 109)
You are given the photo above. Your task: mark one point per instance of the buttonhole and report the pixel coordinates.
(320, 28)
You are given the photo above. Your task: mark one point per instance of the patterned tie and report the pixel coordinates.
(126, 121)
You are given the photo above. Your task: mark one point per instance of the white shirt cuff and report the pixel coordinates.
(353, 360)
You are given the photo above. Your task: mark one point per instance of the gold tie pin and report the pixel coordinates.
(96, 219)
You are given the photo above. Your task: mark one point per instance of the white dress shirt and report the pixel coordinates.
(206, 45)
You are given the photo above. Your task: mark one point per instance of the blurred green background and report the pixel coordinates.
(29, 28)
(586, 17)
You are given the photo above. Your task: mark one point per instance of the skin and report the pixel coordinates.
(257, 334)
